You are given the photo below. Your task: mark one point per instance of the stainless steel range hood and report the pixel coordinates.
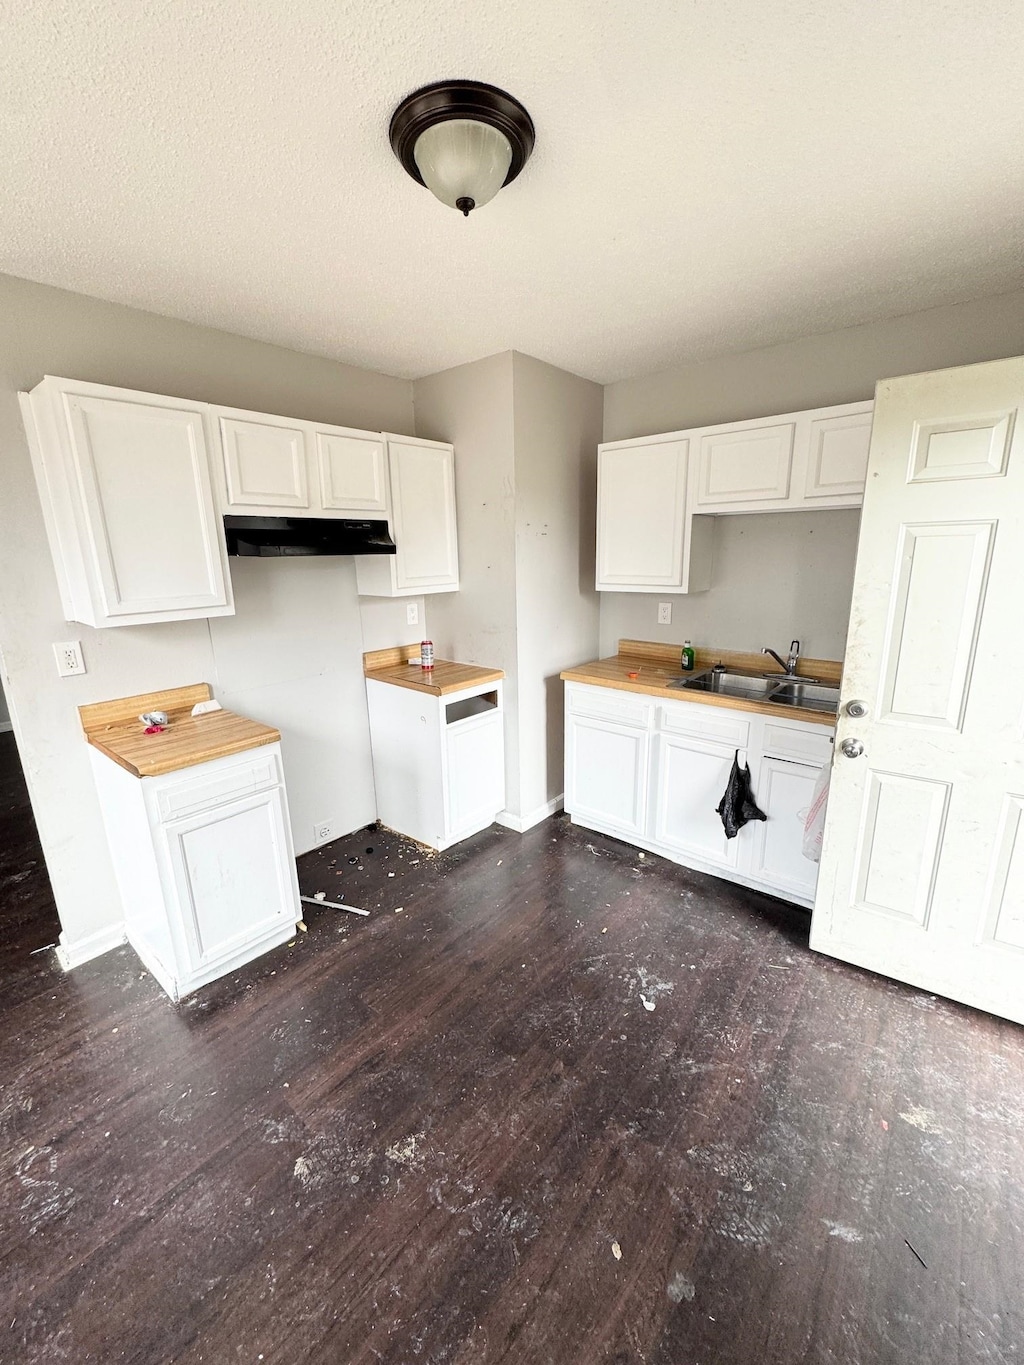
(276, 537)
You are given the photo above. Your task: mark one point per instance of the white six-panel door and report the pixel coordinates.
(922, 871)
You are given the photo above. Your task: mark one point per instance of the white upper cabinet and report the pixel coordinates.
(746, 464)
(791, 463)
(837, 457)
(264, 463)
(352, 471)
(421, 475)
(273, 465)
(647, 537)
(125, 483)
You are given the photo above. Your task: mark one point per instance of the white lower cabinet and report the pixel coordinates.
(784, 794)
(204, 861)
(683, 817)
(438, 761)
(653, 772)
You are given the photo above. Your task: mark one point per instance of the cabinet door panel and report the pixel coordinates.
(691, 777)
(784, 794)
(152, 528)
(232, 874)
(838, 459)
(351, 471)
(474, 773)
(264, 464)
(606, 774)
(749, 465)
(423, 508)
(641, 514)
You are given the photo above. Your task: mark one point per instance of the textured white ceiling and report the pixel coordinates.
(710, 175)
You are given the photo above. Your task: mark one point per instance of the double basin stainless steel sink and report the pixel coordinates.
(802, 694)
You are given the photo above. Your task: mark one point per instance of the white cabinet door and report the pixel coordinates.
(422, 479)
(264, 463)
(153, 546)
(690, 778)
(474, 774)
(784, 791)
(351, 469)
(606, 772)
(837, 459)
(233, 875)
(641, 507)
(747, 464)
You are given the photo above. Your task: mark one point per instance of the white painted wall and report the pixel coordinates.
(291, 655)
(525, 436)
(557, 427)
(780, 562)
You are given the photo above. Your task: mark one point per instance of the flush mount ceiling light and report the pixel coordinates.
(463, 140)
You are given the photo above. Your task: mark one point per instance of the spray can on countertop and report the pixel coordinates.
(686, 657)
(426, 654)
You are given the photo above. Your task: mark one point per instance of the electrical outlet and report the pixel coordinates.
(664, 613)
(412, 613)
(323, 831)
(69, 658)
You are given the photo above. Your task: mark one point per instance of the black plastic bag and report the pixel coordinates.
(737, 806)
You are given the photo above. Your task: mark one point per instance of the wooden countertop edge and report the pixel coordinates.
(171, 764)
(660, 688)
(434, 689)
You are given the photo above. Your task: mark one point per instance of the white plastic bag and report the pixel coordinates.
(814, 821)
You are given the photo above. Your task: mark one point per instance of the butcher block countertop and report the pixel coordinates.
(113, 727)
(400, 667)
(657, 665)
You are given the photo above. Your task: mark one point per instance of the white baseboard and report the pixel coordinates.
(71, 955)
(521, 823)
(5, 725)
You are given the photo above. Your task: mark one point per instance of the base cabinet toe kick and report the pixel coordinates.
(652, 772)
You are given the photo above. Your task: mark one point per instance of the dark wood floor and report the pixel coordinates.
(456, 1133)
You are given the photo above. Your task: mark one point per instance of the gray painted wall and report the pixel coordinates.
(5, 715)
(525, 436)
(796, 568)
(290, 657)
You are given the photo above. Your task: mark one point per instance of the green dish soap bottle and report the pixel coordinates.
(686, 658)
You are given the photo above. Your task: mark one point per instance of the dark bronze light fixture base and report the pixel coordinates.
(463, 100)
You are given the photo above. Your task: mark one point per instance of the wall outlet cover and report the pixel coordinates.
(664, 613)
(412, 613)
(70, 660)
(323, 831)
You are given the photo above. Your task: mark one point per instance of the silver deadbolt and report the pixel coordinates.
(857, 709)
(852, 748)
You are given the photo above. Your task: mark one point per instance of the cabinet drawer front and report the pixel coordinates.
(705, 722)
(602, 703)
(259, 770)
(751, 465)
(804, 744)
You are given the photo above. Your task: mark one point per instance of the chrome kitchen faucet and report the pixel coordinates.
(789, 667)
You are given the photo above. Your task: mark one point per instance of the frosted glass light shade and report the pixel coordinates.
(463, 159)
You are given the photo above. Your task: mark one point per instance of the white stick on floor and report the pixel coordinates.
(334, 905)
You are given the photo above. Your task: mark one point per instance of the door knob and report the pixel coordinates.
(856, 709)
(852, 748)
